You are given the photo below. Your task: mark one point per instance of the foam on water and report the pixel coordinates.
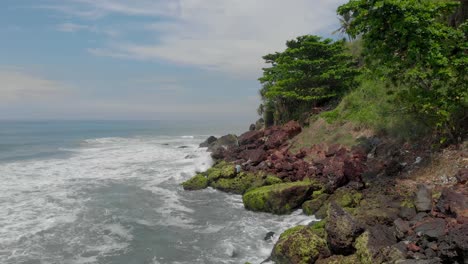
(100, 204)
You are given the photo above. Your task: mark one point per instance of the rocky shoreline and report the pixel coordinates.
(367, 217)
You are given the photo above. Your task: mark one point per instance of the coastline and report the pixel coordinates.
(369, 211)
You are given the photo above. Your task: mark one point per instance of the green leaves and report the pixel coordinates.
(411, 43)
(310, 71)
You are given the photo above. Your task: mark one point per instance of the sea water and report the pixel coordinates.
(109, 192)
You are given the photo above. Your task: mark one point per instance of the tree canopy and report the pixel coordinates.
(309, 72)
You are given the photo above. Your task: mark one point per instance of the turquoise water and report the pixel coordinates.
(109, 192)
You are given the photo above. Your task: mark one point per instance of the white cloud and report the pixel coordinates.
(229, 35)
(18, 85)
(71, 27)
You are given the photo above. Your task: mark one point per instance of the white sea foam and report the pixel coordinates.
(41, 197)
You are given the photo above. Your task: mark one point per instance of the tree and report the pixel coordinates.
(411, 43)
(310, 72)
(345, 22)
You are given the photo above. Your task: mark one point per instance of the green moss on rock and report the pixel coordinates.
(362, 252)
(239, 184)
(271, 180)
(312, 206)
(299, 245)
(279, 198)
(197, 182)
(339, 259)
(221, 170)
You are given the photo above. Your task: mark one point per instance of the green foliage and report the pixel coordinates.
(410, 43)
(373, 105)
(309, 72)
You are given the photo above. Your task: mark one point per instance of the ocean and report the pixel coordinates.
(109, 192)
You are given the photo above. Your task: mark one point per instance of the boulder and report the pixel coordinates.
(454, 202)
(252, 127)
(433, 228)
(221, 170)
(276, 139)
(259, 124)
(423, 199)
(250, 137)
(292, 128)
(342, 230)
(377, 245)
(198, 182)
(208, 142)
(224, 142)
(239, 184)
(254, 156)
(279, 198)
(462, 176)
(299, 245)
(312, 206)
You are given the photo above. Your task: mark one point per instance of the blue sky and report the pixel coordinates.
(145, 59)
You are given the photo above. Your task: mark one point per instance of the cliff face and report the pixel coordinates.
(380, 201)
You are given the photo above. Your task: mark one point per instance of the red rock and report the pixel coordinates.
(454, 202)
(413, 247)
(292, 128)
(250, 137)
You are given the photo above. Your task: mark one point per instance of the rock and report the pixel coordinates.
(462, 176)
(339, 259)
(218, 153)
(269, 236)
(252, 127)
(239, 184)
(250, 137)
(407, 213)
(299, 245)
(183, 147)
(279, 198)
(454, 202)
(342, 230)
(259, 124)
(433, 228)
(277, 139)
(198, 182)
(221, 170)
(208, 142)
(377, 245)
(312, 206)
(423, 199)
(254, 156)
(458, 238)
(378, 209)
(401, 228)
(419, 261)
(224, 142)
(292, 128)
(190, 157)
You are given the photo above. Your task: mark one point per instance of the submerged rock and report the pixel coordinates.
(269, 236)
(299, 245)
(279, 198)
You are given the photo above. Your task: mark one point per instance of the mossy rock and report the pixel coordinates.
(271, 180)
(221, 170)
(319, 228)
(279, 198)
(239, 184)
(197, 182)
(299, 245)
(362, 252)
(339, 259)
(346, 197)
(312, 206)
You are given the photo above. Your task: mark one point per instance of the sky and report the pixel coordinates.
(145, 59)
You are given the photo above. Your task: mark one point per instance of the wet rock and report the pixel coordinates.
(269, 236)
(183, 147)
(423, 199)
(342, 230)
(198, 182)
(279, 198)
(299, 245)
(252, 127)
(208, 142)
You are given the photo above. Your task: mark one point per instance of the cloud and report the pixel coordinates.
(71, 27)
(19, 85)
(230, 36)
